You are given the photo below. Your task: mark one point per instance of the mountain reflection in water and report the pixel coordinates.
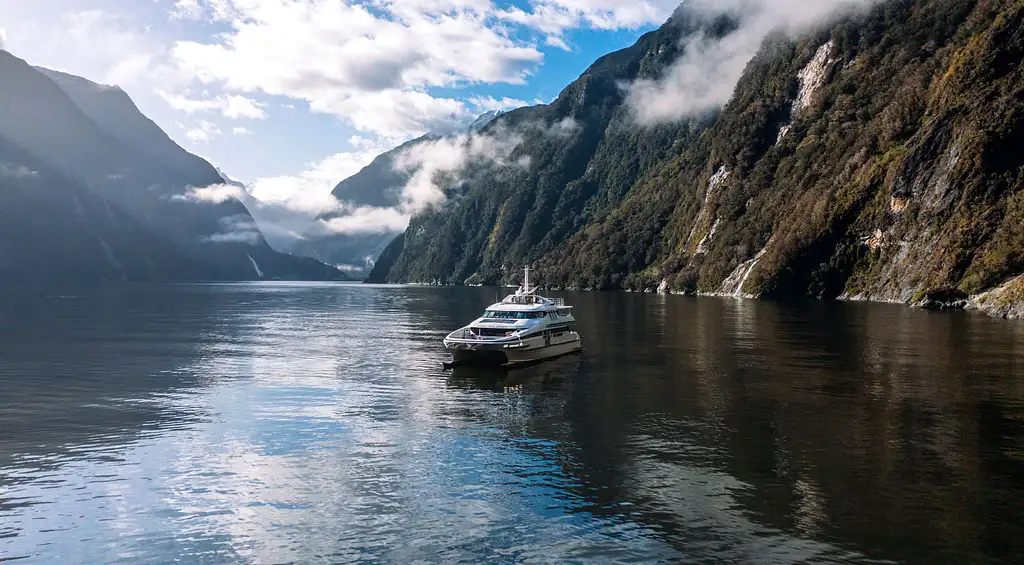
(315, 424)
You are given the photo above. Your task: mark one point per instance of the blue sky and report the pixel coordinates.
(292, 96)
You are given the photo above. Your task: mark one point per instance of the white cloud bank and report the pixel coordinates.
(374, 64)
(367, 63)
(555, 17)
(237, 229)
(203, 132)
(309, 191)
(706, 75)
(16, 171)
(361, 220)
(230, 106)
(215, 194)
(288, 207)
(433, 166)
(285, 207)
(436, 166)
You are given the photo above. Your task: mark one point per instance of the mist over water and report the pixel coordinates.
(314, 424)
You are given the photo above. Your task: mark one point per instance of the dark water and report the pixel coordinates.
(314, 424)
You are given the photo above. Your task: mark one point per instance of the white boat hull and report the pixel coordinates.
(523, 328)
(542, 353)
(518, 353)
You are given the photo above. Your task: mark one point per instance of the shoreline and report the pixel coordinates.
(1005, 301)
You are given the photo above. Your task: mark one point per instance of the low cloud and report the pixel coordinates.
(3, 38)
(353, 268)
(279, 224)
(705, 76)
(364, 220)
(431, 162)
(286, 207)
(309, 191)
(215, 194)
(13, 170)
(289, 207)
(239, 228)
(434, 167)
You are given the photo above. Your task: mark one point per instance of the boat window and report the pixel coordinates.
(513, 315)
(491, 332)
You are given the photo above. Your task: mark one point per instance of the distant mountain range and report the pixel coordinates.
(379, 185)
(876, 157)
(92, 190)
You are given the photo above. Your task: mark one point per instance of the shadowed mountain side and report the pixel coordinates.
(113, 154)
(52, 228)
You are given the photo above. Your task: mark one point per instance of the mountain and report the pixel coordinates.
(228, 180)
(583, 154)
(378, 185)
(876, 158)
(484, 119)
(92, 141)
(54, 229)
(113, 110)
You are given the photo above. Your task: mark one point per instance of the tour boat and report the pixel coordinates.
(522, 328)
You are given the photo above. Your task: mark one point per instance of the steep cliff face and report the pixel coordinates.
(894, 178)
(878, 159)
(577, 157)
(95, 147)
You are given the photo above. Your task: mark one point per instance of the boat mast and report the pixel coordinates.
(526, 280)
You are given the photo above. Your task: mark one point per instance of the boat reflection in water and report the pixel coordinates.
(519, 378)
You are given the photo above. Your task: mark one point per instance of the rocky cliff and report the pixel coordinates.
(877, 157)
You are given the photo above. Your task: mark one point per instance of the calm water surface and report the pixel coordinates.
(314, 424)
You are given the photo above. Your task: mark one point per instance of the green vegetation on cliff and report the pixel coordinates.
(877, 158)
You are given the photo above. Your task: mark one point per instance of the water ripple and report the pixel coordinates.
(284, 423)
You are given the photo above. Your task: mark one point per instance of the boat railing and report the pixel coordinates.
(529, 299)
(468, 335)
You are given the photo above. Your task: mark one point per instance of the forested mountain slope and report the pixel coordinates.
(876, 158)
(582, 153)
